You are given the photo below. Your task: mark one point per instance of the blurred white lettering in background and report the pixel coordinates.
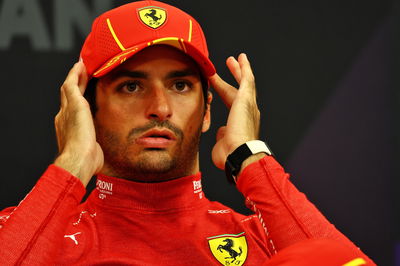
(25, 19)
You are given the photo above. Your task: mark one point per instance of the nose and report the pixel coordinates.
(159, 105)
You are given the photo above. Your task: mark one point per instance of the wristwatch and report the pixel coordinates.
(235, 159)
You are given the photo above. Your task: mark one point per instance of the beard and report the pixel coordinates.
(124, 159)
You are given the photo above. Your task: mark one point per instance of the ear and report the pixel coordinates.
(207, 113)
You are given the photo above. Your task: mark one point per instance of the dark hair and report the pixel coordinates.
(90, 92)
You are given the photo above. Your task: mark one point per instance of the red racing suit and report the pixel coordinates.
(167, 223)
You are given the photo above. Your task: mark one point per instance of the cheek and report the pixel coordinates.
(115, 117)
(110, 108)
(192, 115)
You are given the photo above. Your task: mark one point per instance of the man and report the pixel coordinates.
(145, 72)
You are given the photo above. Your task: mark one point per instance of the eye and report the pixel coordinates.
(182, 86)
(129, 86)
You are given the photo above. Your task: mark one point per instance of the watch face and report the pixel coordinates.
(258, 146)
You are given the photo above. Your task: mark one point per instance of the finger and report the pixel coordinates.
(234, 68)
(216, 156)
(221, 133)
(83, 78)
(72, 82)
(224, 90)
(73, 74)
(248, 81)
(56, 124)
(63, 98)
(246, 71)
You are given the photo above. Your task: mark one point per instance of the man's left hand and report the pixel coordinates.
(243, 122)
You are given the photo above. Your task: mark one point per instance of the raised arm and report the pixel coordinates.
(79, 152)
(31, 233)
(285, 213)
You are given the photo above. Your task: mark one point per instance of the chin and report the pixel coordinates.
(155, 162)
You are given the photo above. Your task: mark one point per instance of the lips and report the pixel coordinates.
(156, 139)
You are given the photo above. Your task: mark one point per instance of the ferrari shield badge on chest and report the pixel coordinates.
(153, 16)
(229, 249)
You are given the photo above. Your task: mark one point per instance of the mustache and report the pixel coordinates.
(156, 124)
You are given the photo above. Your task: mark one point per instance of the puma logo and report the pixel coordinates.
(73, 238)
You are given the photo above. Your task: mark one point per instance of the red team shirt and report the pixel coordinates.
(168, 223)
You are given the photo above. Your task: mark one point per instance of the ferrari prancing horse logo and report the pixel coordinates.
(153, 16)
(229, 249)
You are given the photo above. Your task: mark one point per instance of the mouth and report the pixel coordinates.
(156, 139)
(159, 133)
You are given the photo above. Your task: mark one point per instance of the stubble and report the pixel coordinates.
(124, 160)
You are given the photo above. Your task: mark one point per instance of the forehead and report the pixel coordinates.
(157, 59)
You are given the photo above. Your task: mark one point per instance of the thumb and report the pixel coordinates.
(217, 156)
(221, 133)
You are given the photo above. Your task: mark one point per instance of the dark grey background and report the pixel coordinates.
(327, 78)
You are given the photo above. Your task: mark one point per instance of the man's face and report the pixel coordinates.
(150, 116)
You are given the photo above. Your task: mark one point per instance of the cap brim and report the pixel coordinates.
(206, 66)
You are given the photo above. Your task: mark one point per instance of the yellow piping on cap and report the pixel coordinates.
(173, 41)
(190, 31)
(114, 35)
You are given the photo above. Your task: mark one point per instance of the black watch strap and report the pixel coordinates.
(234, 160)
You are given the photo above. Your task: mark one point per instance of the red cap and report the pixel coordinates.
(120, 33)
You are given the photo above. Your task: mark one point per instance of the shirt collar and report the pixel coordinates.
(180, 193)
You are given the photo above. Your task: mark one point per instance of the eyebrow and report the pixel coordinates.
(141, 74)
(182, 73)
(131, 74)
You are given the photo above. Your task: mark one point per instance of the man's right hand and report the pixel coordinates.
(79, 152)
